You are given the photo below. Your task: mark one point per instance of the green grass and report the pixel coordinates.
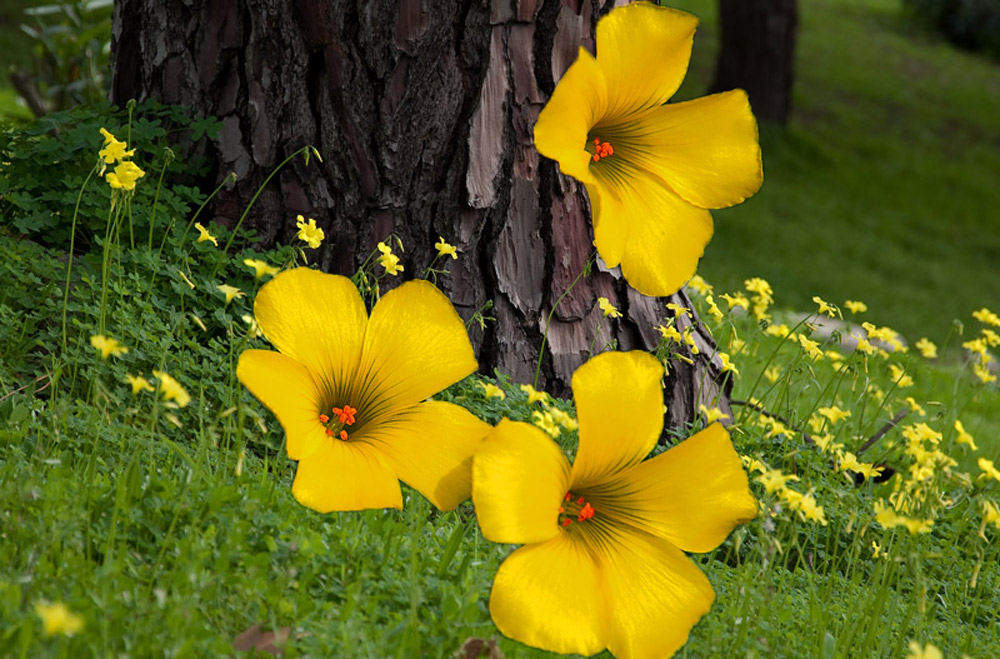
(883, 187)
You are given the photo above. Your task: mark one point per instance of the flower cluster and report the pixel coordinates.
(126, 173)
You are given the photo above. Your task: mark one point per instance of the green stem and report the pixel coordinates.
(168, 158)
(552, 311)
(69, 260)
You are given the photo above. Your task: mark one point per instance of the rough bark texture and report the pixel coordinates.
(423, 112)
(758, 54)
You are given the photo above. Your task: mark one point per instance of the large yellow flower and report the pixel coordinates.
(347, 388)
(651, 170)
(603, 564)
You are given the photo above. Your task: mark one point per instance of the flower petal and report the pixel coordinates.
(416, 345)
(346, 476)
(519, 478)
(619, 406)
(577, 103)
(610, 229)
(666, 236)
(315, 318)
(549, 596)
(430, 448)
(706, 150)
(691, 495)
(286, 388)
(643, 51)
(656, 594)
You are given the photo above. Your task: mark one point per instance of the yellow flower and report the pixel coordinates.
(926, 348)
(603, 564)
(698, 284)
(651, 170)
(898, 375)
(444, 249)
(991, 514)
(773, 480)
(562, 418)
(736, 300)
(811, 348)
(810, 510)
(929, 651)
(171, 389)
(915, 407)
(204, 236)
(107, 346)
(992, 338)
(855, 306)
(713, 308)
(963, 436)
(308, 232)
(58, 619)
(125, 176)
(826, 443)
(670, 333)
(388, 260)
(678, 310)
(253, 329)
(780, 330)
(712, 415)
(231, 292)
(887, 517)
(826, 307)
(138, 383)
(989, 471)
(113, 149)
(759, 287)
(983, 374)
(545, 421)
(492, 391)
(533, 395)
(833, 413)
(986, 316)
(607, 308)
(348, 390)
(772, 373)
(979, 348)
(727, 364)
(261, 269)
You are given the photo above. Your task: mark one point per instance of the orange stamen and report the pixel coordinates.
(343, 436)
(565, 523)
(585, 513)
(602, 149)
(323, 418)
(346, 415)
(329, 432)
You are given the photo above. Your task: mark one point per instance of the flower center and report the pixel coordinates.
(574, 509)
(341, 417)
(602, 149)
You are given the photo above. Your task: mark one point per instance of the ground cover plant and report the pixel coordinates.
(147, 498)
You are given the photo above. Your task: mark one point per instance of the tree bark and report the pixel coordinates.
(423, 113)
(757, 54)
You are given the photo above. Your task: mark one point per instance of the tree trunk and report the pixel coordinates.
(423, 113)
(757, 54)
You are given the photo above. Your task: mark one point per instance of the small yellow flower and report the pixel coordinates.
(713, 309)
(826, 444)
(107, 346)
(979, 348)
(678, 310)
(670, 333)
(712, 415)
(986, 316)
(992, 338)
(186, 280)
(855, 306)
(562, 418)
(138, 383)
(758, 286)
(58, 619)
(926, 348)
(736, 300)
(781, 330)
(308, 232)
(825, 307)
(772, 373)
(444, 249)
(492, 391)
(388, 260)
(877, 550)
(929, 651)
(989, 471)
(810, 510)
(773, 480)
(205, 236)
(261, 269)
(545, 421)
(113, 149)
(898, 375)
(125, 176)
(833, 413)
(607, 308)
(253, 329)
(728, 365)
(231, 292)
(983, 374)
(811, 348)
(991, 514)
(171, 389)
(698, 284)
(534, 396)
(915, 407)
(864, 345)
(963, 436)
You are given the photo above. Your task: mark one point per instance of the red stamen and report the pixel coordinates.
(565, 523)
(580, 500)
(329, 432)
(567, 497)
